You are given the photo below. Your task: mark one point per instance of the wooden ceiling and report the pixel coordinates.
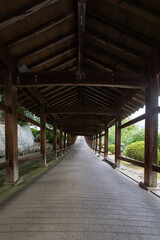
(87, 59)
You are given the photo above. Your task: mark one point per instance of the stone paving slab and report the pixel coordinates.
(82, 198)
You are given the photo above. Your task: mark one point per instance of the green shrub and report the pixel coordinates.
(36, 134)
(136, 151)
(49, 136)
(111, 148)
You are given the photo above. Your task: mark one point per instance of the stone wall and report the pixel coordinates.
(25, 139)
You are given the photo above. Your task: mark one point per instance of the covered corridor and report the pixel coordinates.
(81, 198)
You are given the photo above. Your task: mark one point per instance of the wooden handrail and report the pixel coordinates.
(133, 161)
(4, 165)
(156, 168)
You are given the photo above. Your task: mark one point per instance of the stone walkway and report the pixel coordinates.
(82, 198)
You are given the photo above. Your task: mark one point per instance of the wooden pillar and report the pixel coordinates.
(43, 137)
(61, 141)
(65, 146)
(117, 142)
(91, 142)
(55, 140)
(96, 142)
(67, 140)
(151, 132)
(106, 144)
(100, 144)
(11, 137)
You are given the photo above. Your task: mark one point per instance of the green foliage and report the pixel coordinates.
(111, 135)
(36, 134)
(135, 151)
(111, 148)
(2, 98)
(127, 134)
(139, 135)
(49, 136)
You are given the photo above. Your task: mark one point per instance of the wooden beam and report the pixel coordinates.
(51, 58)
(94, 78)
(154, 64)
(138, 9)
(115, 59)
(89, 122)
(81, 30)
(123, 29)
(82, 110)
(97, 65)
(133, 121)
(103, 66)
(125, 97)
(40, 49)
(11, 137)
(5, 108)
(130, 160)
(63, 65)
(38, 96)
(6, 59)
(35, 32)
(25, 12)
(27, 119)
(59, 94)
(107, 41)
(63, 99)
(79, 127)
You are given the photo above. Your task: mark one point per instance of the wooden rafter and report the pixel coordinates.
(115, 59)
(6, 58)
(60, 93)
(97, 66)
(97, 98)
(106, 41)
(82, 110)
(44, 47)
(62, 97)
(68, 78)
(51, 58)
(25, 12)
(123, 29)
(137, 9)
(64, 65)
(35, 32)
